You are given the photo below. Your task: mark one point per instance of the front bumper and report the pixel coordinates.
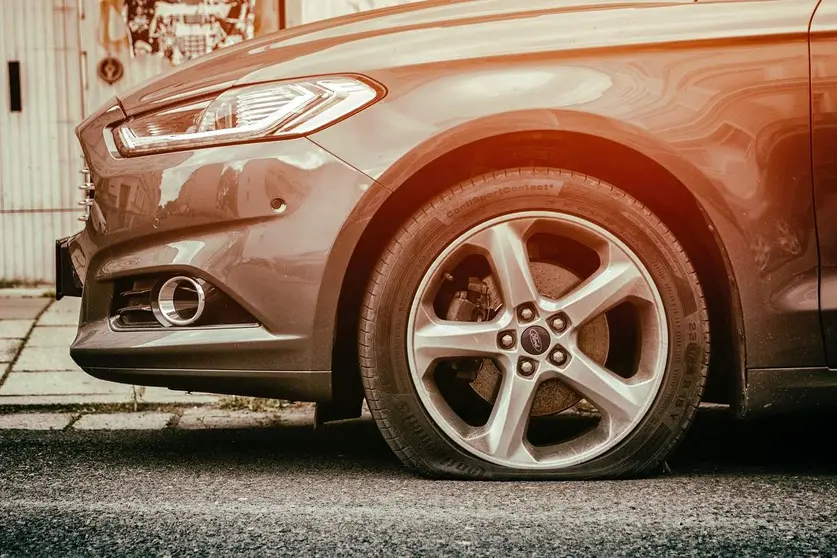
(211, 214)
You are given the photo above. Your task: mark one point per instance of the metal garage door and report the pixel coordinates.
(39, 157)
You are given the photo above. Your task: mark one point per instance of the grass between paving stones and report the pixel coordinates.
(94, 408)
(256, 404)
(232, 403)
(6, 284)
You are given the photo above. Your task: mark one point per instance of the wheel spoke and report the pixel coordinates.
(505, 247)
(435, 339)
(620, 399)
(504, 434)
(616, 281)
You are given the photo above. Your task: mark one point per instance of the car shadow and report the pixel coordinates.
(716, 444)
(793, 444)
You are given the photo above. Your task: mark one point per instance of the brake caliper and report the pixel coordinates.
(472, 305)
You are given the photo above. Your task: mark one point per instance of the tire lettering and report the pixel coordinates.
(499, 192)
(462, 467)
(412, 425)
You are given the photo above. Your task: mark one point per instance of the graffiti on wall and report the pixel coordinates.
(178, 30)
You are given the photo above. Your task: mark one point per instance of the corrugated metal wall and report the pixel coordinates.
(39, 157)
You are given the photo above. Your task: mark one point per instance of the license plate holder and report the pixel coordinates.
(67, 282)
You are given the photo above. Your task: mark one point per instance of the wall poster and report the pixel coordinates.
(180, 30)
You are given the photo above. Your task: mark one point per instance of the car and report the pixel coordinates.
(533, 236)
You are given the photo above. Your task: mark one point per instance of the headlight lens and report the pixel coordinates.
(259, 111)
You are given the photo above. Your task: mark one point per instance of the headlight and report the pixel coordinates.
(259, 111)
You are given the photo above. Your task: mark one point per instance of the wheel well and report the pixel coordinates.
(614, 163)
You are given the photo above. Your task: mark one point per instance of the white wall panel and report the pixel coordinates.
(37, 147)
(307, 11)
(27, 245)
(39, 154)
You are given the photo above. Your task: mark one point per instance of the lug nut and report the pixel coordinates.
(558, 357)
(507, 340)
(558, 323)
(527, 367)
(527, 314)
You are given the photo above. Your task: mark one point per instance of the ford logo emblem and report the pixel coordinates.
(535, 339)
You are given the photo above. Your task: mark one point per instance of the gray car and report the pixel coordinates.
(509, 226)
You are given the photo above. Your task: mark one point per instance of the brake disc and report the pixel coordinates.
(553, 396)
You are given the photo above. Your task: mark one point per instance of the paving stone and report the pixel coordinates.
(15, 329)
(58, 319)
(34, 421)
(124, 421)
(52, 336)
(8, 350)
(17, 308)
(61, 383)
(38, 359)
(68, 305)
(214, 418)
(62, 313)
(301, 414)
(160, 395)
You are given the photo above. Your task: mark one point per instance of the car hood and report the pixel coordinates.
(400, 36)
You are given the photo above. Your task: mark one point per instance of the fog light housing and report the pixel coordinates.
(179, 301)
(174, 301)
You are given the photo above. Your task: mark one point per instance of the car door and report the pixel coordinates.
(824, 154)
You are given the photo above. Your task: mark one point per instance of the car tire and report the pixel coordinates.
(637, 415)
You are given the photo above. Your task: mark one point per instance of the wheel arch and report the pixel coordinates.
(446, 161)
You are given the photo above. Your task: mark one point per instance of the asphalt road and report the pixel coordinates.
(763, 489)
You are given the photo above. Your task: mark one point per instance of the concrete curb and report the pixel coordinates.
(191, 418)
(38, 291)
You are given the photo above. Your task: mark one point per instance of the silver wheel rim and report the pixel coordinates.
(621, 402)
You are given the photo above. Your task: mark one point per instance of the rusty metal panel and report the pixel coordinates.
(105, 34)
(102, 35)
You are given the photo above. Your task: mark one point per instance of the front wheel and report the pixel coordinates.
(533, 324)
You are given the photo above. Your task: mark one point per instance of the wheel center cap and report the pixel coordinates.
(535, 340)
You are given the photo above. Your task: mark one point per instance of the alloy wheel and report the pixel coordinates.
(533, 340)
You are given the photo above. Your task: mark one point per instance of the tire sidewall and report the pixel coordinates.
(460, 209)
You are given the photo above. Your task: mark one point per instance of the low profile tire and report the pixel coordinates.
(533, 323)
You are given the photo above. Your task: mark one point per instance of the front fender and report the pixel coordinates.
(699, 112)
